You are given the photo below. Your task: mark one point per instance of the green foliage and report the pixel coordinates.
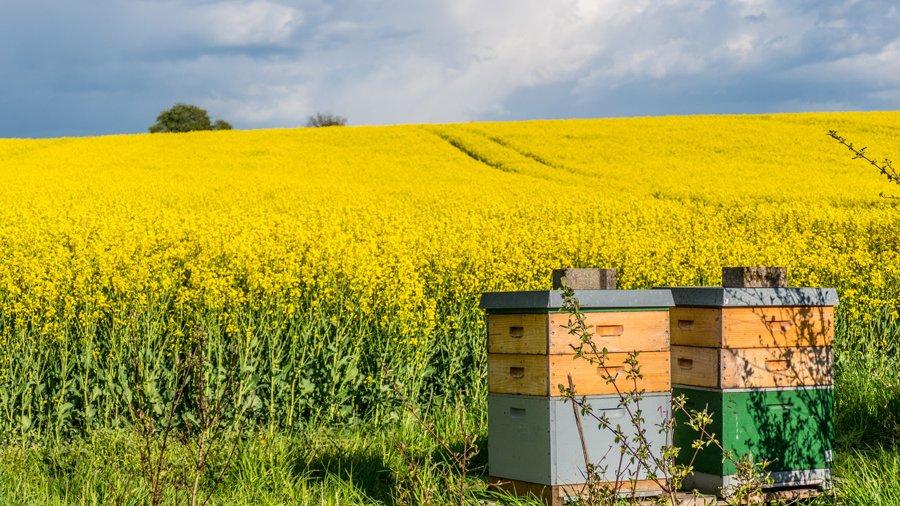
(867, 383)
(326, 465)
(319, 120)
(64, 411)
(221, 124)
(751, 478)
(186, 118)
(209, 430)
(317, 466)
(311, 366)
(869, 476)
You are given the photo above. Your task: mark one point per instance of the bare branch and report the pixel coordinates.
(885, 167)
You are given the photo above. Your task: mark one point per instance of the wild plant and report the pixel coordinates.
(657, 463)
(885, 167)
(189, 423)
(422, 472)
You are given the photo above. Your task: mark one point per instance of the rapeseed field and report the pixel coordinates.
(351, 260)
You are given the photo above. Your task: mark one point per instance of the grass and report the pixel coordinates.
(363, 464)
(869, 476)
(867, 425)
(392, 459)
(360, 465)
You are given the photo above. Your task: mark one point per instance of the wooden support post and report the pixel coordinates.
(754, 277)
(585, 279)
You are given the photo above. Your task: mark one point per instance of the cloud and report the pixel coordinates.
(104, 67)
(238, 23)
(720, 57)
(872, 76)
(880, 67)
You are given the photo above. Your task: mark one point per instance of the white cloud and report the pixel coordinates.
(879, 68)
(459, 60)
(252, 22)
(485, 52)
(263, 63)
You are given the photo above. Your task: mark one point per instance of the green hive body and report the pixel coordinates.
(791, 428)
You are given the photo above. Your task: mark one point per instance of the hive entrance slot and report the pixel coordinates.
(517, 372)
(613, 413)
(517, 413)
(782, 326)
(777, 365)
(516, 332)
(610, 330)
(686, 363)
(611, 371)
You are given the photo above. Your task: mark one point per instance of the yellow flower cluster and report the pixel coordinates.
(392, 224)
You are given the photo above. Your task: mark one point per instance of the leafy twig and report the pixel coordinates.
(753, 475)
(885, 167)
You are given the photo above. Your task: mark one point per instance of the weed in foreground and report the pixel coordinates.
(641, 459)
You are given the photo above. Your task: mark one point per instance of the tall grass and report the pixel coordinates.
(312, 367)
(322, 465)
(325, 433)
(869, 477)
(867, 373)
(867, 412)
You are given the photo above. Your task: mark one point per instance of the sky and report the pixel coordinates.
(96, 67)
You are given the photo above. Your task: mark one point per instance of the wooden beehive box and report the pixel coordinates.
(752, 337)
(534, 443)
(542, 375)
(760, 359)
(530, 349)
(727, 368)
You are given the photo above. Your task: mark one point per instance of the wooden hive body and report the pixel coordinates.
(728, 368)
(729, 338)
(535, 439)
(543, 374)
(531, 351)
(752, 327)
(547, 333)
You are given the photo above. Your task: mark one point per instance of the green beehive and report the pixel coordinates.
(790, 427)
(758, 356)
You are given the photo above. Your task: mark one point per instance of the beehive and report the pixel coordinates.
(760, 359)
(533, 441)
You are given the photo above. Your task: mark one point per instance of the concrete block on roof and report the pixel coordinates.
(585, 278)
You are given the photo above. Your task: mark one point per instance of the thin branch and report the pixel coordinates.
(885, 167)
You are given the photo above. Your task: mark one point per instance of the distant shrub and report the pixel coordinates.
(186, 118)
(319, 119)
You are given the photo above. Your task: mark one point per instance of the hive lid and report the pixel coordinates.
(717, 296)
(587, 299)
